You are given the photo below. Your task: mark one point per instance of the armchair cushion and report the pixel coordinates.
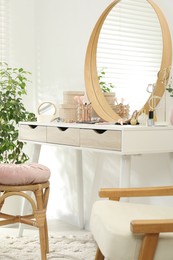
(110, 226)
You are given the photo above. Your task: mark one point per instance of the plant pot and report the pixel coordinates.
(171, 117)
(110, 97)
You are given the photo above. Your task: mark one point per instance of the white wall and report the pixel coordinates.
(49, 38)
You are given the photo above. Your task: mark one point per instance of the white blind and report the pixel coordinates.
(130, 50)
(4, 30)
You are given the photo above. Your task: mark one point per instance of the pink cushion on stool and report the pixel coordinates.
(23, 174)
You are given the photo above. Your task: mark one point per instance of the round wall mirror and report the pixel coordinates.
(156, 62)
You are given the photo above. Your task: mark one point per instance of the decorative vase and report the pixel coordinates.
(110, 97)
(171, 117)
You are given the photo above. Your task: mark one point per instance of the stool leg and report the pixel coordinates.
(2, 203)
(46, 236)
(45, 200)
(42, 243)
(24, 210)
(40, 215)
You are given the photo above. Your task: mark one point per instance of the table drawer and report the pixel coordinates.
(32, 133)
(101, 139)
(63, 135)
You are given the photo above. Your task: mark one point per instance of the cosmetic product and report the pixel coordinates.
(89, 108)
(80, 113)
(150, 121)
(85, 112)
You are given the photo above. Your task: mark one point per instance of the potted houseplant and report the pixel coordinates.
(169, 88)
(13, 83)
(106, 87)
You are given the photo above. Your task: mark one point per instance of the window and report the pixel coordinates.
(4, 30)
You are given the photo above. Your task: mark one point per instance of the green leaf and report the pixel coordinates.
(13, 84)
(105, 86)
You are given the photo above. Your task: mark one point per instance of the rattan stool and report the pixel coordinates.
(23, 180)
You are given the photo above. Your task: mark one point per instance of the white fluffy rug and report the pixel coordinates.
(62, 247)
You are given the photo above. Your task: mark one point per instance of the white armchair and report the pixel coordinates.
(131, 231)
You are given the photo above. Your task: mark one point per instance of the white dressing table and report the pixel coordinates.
(125, 141)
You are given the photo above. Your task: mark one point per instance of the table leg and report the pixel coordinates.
(171, 162)
(79, 173)
(24, 207)
(125, 168)
(36, 153)
(99, 159)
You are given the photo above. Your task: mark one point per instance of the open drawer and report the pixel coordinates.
(101, 139)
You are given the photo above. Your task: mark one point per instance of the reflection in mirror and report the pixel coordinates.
(130, 50)
(136, 60)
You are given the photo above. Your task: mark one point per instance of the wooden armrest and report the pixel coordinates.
(116, 193)
(151, 226)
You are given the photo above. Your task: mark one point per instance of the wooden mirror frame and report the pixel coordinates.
(93, 90)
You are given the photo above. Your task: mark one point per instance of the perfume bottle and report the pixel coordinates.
(85, 107)
(150, 121)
